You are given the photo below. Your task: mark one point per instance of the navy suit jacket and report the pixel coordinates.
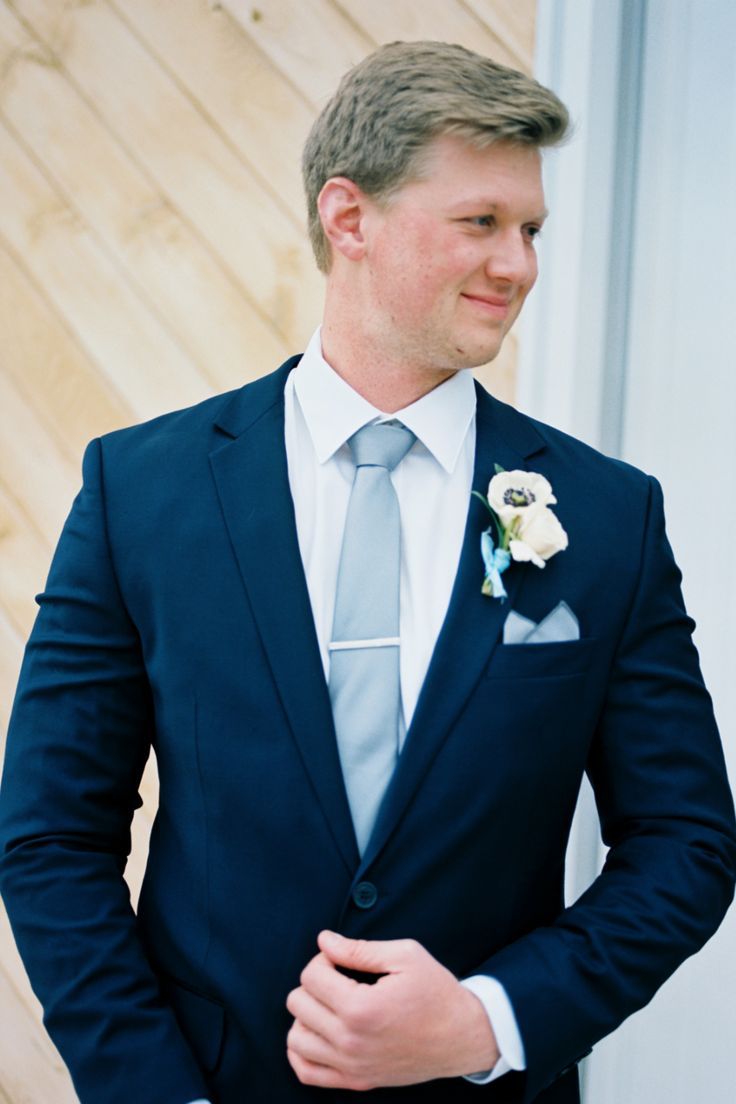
(176, 615)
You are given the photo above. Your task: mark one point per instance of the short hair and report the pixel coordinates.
(390, 106)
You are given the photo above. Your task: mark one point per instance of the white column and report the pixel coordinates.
(679, 414)
(628, 344)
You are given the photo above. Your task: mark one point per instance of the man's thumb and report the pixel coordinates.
(374, 956)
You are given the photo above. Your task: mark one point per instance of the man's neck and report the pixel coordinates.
(374, 374)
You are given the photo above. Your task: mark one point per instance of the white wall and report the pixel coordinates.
(630, 345)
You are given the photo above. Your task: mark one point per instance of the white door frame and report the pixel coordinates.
(599, 359)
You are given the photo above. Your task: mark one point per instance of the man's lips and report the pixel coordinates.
(495, 305)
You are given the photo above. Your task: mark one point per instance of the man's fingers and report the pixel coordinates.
(378, 956)
(323, 982)
(312, 1013)
(314, 1063)
(310, 1073)
(309, 1045)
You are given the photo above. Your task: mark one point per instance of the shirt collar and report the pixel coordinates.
(333, 411)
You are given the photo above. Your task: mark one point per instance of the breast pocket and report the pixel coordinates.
(572, 657)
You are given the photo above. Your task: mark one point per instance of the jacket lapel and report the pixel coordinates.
(262, 530)
(473, 623)
(251, 475)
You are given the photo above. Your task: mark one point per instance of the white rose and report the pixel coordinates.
(512, 494)
(538, 536)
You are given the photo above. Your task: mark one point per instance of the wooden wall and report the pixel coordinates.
(152, 252)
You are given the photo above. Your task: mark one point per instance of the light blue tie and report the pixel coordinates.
(364, 652)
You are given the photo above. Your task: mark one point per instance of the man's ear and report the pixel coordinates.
(342, 206)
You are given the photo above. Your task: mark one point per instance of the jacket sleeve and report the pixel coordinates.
(79, 737)
(666, 814)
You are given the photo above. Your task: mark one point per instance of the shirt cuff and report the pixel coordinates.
(494, 999)
(199, 1102)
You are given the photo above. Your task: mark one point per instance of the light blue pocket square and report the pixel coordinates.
(558, 626)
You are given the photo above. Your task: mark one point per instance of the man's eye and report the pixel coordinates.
(481, 220)
(533, 232)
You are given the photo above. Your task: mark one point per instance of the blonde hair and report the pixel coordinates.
(390, 106)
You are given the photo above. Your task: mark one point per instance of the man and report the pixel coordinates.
(368, 766)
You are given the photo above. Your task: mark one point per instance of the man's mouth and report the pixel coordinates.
(496, 306)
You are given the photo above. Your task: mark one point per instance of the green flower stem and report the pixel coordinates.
(511, 533)
(500, 531)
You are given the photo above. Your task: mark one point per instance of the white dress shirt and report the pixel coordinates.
(433, 484)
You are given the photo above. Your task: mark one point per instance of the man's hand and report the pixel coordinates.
(414, 1024)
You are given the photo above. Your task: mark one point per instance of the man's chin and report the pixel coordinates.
(475, 357)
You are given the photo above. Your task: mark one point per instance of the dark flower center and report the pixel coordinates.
(518, 496)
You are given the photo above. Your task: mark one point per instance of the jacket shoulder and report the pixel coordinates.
(196, 429)
(591, 458)
(566, 451)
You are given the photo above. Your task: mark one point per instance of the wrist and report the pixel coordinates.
(478, 1051)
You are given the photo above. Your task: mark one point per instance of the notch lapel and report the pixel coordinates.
(473, 623)
(251, 475)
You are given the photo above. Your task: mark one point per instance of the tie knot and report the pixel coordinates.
(382, 445)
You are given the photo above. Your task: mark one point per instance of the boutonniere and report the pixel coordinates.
(526, 530)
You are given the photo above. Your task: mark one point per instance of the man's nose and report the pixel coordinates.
(511, 257)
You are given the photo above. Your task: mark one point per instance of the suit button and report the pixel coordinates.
(365, 895)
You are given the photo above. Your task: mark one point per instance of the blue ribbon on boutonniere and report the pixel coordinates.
(527, 530)
(495, 560)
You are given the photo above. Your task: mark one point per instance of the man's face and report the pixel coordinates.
(451, 257)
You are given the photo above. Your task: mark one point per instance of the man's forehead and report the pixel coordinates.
(499, 175)
(451, 149)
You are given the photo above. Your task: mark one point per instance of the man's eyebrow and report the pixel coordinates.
(480, 203)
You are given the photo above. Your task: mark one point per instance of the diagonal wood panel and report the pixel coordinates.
(72, 399)
(11, 649)
(384, 20)
(512, 23)
(231, 81)
(32, 1072)
(152, 251)
(174, 271)
(200, 174)
(35, 470)
(118, 329)
(23, 564)
(311, 44)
